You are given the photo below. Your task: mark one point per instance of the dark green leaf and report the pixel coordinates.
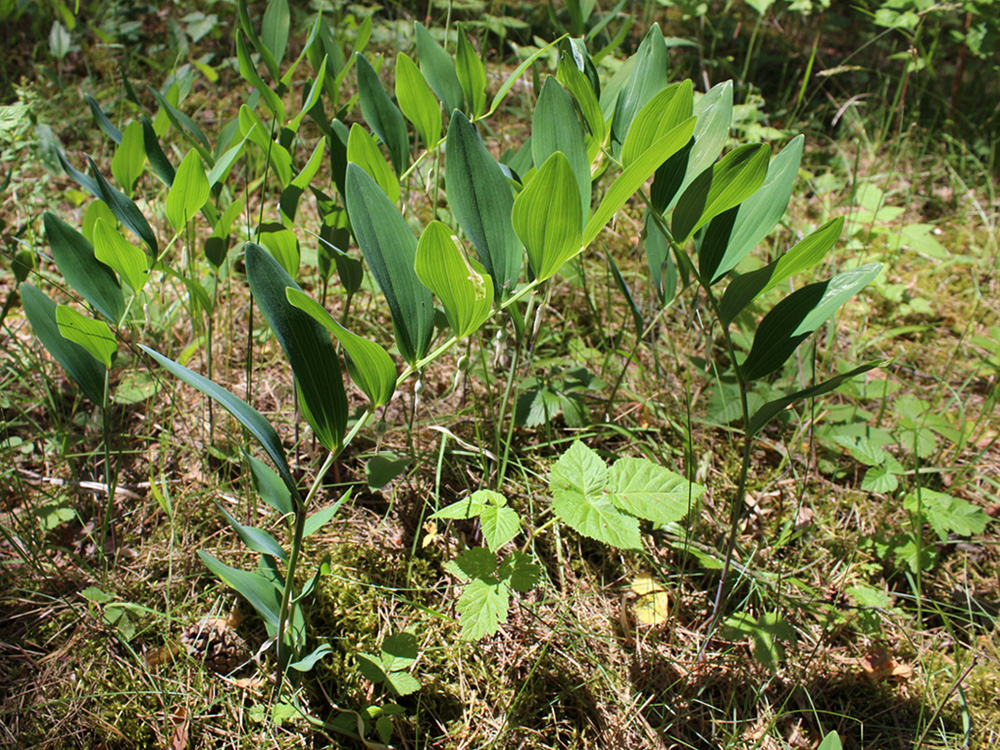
(123, 208)
(90, 278)
(269, 486)
(648, 78)
(382, 116)
(383, 468)
(274, 29)
(255, 539)
(555, 127)
(102, 120)
(263, 594)
(439, 69)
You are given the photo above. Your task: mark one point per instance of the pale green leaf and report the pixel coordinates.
(471, 74)
(640, 487)
(947, 514)
(665, 111)
(482, 607)
(363, 150)
(417, 101)
(130, 157)
(547, 216)
(84, 273)
(92, 335)
(131, 263)
(188, 193)
(500, 525)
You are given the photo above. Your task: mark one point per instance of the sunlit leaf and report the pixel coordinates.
(661, 114)
(417, 101)
(189, 192)
(555, 128)
(130, 157)
(131, 263)
(547, 216)
(88, 276)
(471, 74)
(363, 151)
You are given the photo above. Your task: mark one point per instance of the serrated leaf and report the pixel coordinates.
(500, 525)
(477, 562)
(863, 450)
(481, 200)
(726, 184)
(263, 594)
(640, 487)
(547, 217)
(188, 193)
(368, 364)
(520, 571)
(390, 249)
(83, 367)
(313, 360)
(482, 608)
(793, 319)
(402, 683)
(416, 100)
(947, 514)
(245, 414)
(471, 506)
(462, 284)
(75, 258)
(113, 250)
(597, 518)
(92, 335)
(399, 651)
(382, 115)
(579, 469)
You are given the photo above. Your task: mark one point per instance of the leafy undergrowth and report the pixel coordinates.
(863, 596)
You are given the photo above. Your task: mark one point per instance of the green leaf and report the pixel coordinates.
(154, 152)
(280, 159)
(306, 663)
(634, 177)
(113, 250)
(547, 217)
(130, 157)
(482, 607)
(798, 315)
(500, 525)
(368, 364)
(728, 239)
(570, 76)
(390, 249)
(399, 651)
(282, 243)
(123, 208)
(102, 120)
(640, 487)
(382, 115)
(189, 192)
(402, 683)
(289, 200)
(249, 72)
(472, 506)
(947, 514)
(263, 595)
(439, 69)
(92, 335)
(262, 50)
(462, 284)
(315, 91)
(555, 128)
(520, 571)
(772, 408)
(82, 366)
(720, 187)
(363, 151)
(187, 127)
(477, 562)
(383, 468)
(509, 82)
(661, 114)
(648, 78)
(750, 286)
(255, 539)
(269, 486)
(577, 482)
(481, 200)
(88, 276)
(830, 742)
(322, 517)
(274, 29)
(417, 101)
(245, 414)
(471, 74)
(312, 357)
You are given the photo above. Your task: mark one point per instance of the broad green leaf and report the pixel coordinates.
(481, 608)
(662, 270)
(189, 192)
(500, 525)
(263, 594)
(439, 69)
(383, 468)
(728, 239)
(312, 357)
(363, 151)
(714, 111)
(481, 200)
(82, 366)
(92, 335)
(274, 29)
(417, 101)
(225, 162)
(577, 482)
(570, 76)
(725, 184)
(807, 253)
(249, 72)
(96, 209)
(648, 77)
(283, 245)
(269, 486)
(634, 177)
(645, 490)
(798, 315)
(245, 414)
(472, 506)
(520, 571)
(129, 158)
(471, 74)
(399, 651)
(131, 263)
(665, 111)
(265, 52)
(773, 408)
(477, 562)
(382, 116)
(368, 364)
(947, 514)
(462, 284)
(316, 521)
(555, 127)
(123, 208)
(84, 273)
(390, 249)
(255, 539)
(832, 740)
(154, 152)
(402, 683)
(547, 216)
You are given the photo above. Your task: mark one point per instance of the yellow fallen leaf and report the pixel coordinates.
(653, 605)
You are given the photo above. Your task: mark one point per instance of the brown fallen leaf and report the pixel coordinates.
(182, 723)
(879, 665)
